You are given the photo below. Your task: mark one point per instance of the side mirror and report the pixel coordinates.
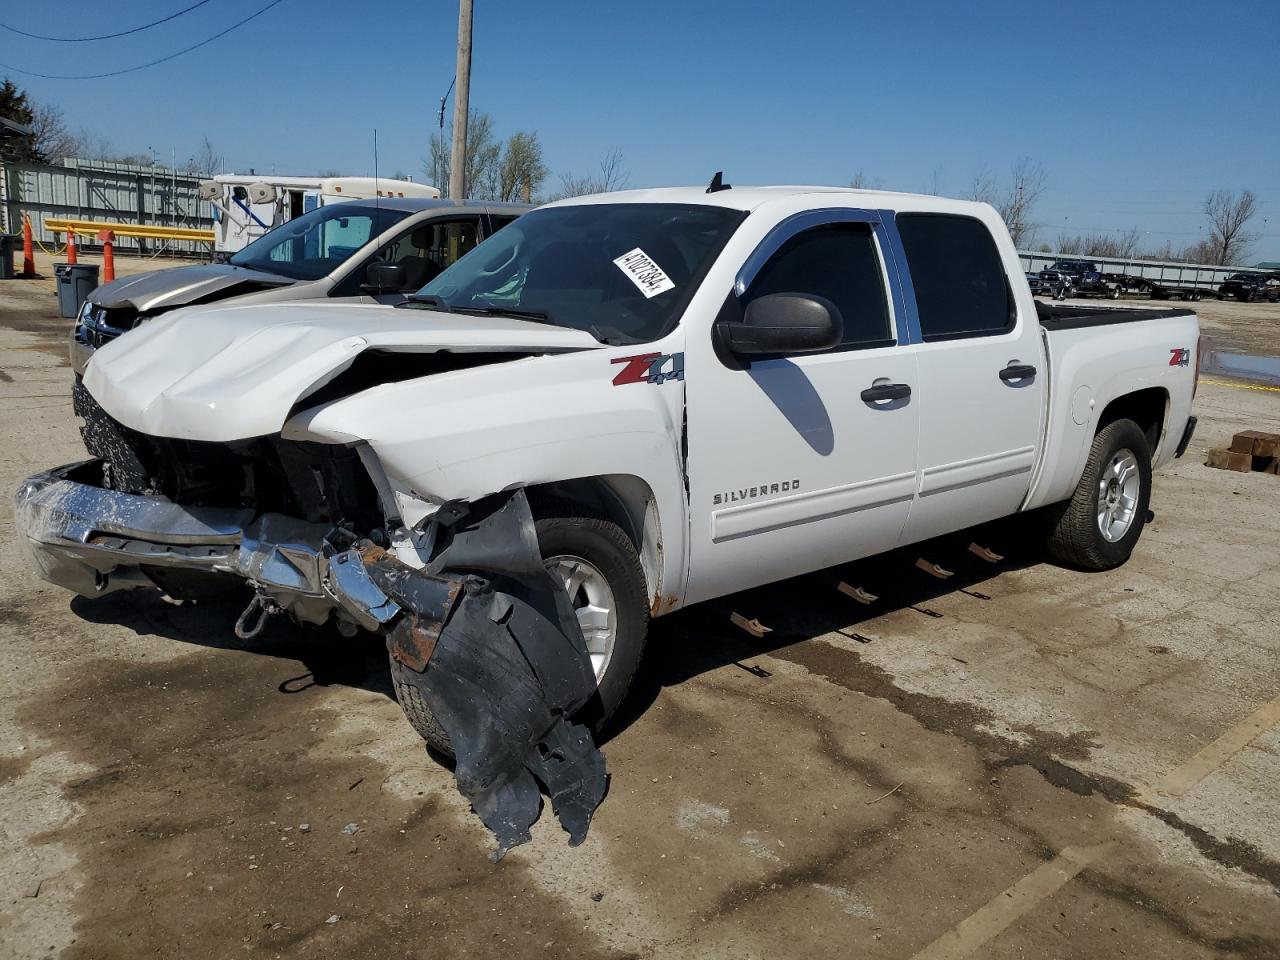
(384, 278)
(784, 323)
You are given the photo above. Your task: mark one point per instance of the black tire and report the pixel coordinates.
(1075, 537)
(567, 529)
(1249, 297)
(1114, 293)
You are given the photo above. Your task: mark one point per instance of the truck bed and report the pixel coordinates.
(1061, 317)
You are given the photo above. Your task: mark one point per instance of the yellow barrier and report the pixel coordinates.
(146, 231)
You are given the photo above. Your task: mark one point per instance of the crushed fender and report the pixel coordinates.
(491, 642)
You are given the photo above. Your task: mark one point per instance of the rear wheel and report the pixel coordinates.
(599, 567)
(1099, 526)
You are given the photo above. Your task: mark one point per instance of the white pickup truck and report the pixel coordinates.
(699, 390)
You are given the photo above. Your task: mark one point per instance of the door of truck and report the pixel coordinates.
(792, 465)
(981, 392)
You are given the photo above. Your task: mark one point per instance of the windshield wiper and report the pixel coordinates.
(427, 300)
(538, 316)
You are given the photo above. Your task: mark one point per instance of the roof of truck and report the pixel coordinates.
(748, 198)
(417, 204)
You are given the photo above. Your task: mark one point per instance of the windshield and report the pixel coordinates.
(314, 244)
(621, 271)
(1243, 276)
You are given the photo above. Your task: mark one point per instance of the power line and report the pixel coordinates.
(143, 66)
(105, 36)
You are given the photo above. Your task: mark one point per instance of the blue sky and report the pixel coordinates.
(1136, 110)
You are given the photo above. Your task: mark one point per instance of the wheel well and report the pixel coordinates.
(1147, 408)
(626, 500)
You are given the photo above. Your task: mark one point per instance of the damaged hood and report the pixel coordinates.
(229, 373)
(165, 289)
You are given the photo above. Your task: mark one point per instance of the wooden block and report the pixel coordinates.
(1242, 442)
(1267, 446)
(1229, 460)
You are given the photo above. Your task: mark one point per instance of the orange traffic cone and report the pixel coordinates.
(28, 249)
(108, 257)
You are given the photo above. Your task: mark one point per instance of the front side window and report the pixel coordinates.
(314, 244)
(958, 276)
(429, 248)
(839, 262)
(621, 271)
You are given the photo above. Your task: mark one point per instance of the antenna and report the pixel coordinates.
(718, 184)
(377, 186)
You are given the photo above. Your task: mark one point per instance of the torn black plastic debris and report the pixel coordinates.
(504, 668)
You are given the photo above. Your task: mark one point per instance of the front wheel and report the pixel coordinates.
(1099, 526)
(599, 567)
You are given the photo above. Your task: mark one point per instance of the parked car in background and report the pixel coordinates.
(700, 390)
(1036, 284)
(1250, 286)
(322, 255)
(1077, 278)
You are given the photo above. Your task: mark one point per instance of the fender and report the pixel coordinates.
(534, 421)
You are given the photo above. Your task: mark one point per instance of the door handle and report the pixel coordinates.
(886, 391)
(1017, 371)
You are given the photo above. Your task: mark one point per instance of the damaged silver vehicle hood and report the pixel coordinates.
(166, 289)
(230, 373)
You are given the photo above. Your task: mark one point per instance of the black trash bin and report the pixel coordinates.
(8, 243)
(75, 282)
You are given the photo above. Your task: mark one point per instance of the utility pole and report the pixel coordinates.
(461, 105)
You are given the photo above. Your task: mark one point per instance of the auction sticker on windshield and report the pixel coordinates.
(644, 273)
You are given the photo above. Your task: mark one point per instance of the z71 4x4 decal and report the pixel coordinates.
(650, 368)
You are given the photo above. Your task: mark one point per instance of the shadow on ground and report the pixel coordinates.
(681, 646)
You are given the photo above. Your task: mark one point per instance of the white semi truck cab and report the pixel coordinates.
(698, 390)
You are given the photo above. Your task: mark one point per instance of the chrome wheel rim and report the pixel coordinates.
(1118, 489)
(593, 602)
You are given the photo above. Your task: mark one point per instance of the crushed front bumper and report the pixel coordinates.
(96, 541)
(509, 666)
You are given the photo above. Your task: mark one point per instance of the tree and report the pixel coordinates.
(52, 140)
(1026, 183)
(207, 161)
(611, 176)
(521, 171)
(1069, 245)
(860, 181)
(1228, 214)
(481, 177)
(15, 106)
(1100, 244)
(1202, 251)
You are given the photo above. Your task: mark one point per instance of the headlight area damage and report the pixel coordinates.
(482, 635)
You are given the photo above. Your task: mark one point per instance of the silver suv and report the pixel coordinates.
(324, 254)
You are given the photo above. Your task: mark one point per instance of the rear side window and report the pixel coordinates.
(837, 261)
(959, 280)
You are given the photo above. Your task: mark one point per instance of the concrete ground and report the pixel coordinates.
(1059, 764)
